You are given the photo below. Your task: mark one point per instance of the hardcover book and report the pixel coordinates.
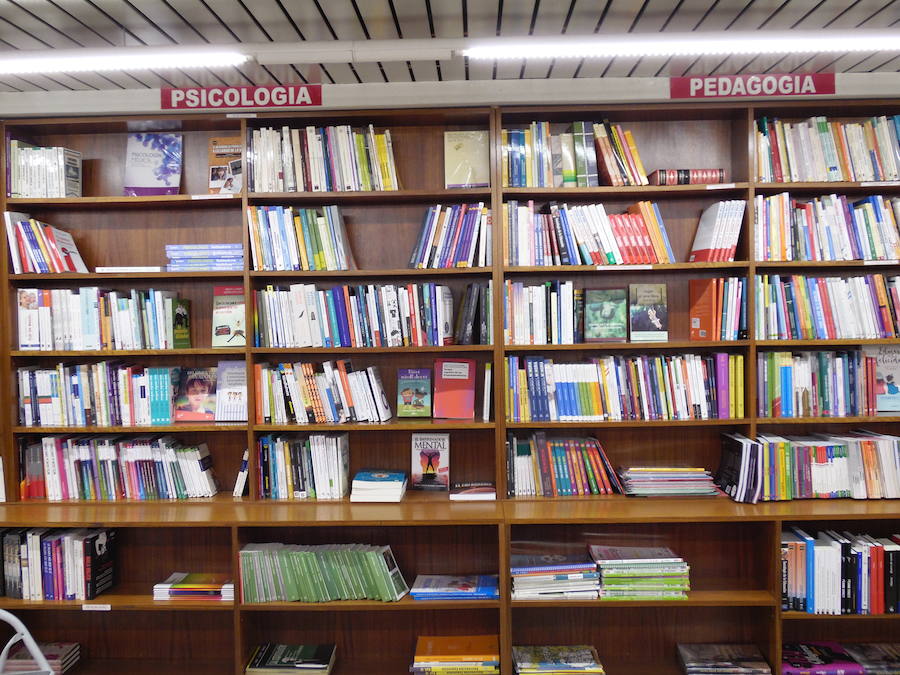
(887, 376)
(454, 388)
(430, 461)
(414, 392)
(153, 164)
(605, 315)
(196, 397)
(228, 317)
(225, 176)
(648, 313)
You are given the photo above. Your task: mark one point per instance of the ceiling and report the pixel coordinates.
(72, 24)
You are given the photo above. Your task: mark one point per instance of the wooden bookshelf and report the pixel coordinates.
(733, 548)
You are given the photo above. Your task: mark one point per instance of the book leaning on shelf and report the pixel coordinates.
(41, 173)
(718, 232)
(39, 248)
(320, 159)
(616, 388)
(454, 236)
(827, 228)
(89, 318)
(325, 393)
(388, 315)
(293, 238)
(82, 468)
(303, 467)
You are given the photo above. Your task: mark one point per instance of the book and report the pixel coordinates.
(430, 468)
(817, 658)
(449, 587)
(718, 232)
(282, 659)
(195, 585)
(43, 172)
(153, 164)
(61, 657)
(225, 175)
(605, 315)
(473, 491)
(466, 160)
(414, 392)
(455, 235)
(876, 658)
(887, 376)
(718, 309)
(378, 486)
(240, 481)
(433, 649)
(39, 248)
(231, 391)
(648, 313)
(454, 388)
(686, 176)
(534, 659)
(722, 658)
(228, 317)
(196, 397)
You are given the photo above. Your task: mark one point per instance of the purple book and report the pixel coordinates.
(153, 164)
(818, 658)
(722, 388)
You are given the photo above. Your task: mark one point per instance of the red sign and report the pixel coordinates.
(737, 86)
(273, 96)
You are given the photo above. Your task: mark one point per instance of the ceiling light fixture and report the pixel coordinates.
(131, 58)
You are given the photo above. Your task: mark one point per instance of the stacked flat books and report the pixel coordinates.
(709, 659)
(280, 659)
(276, 572)
(447, 587)
(877, 658)
(182, 585)
(205, 257)
(641, 573)
(550, 570)
(818, 658)
(668, 481)
(458, 654)
(61, 656)
(378, 486)
(556, 660)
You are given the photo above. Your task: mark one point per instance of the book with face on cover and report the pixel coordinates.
(153, 164)
(225, 176)
(196, 397)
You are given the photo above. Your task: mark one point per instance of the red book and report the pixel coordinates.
(703, 309)
(454, 388)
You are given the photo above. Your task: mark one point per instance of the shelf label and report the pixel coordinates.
(601, 268)
(225, 196)
(239, 115)
(880, 183)
(740, 86)
(268, 96)
(95, 607)
(881, 262)
(720, 186)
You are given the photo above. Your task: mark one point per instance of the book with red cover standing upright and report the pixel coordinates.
(454, 389)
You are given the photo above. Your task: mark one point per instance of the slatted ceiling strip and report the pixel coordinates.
(720, 15)
(877, 16)
(648, 66)
(365, 29)
(886, 64)
(408, 17)
(863, 62)
(448, 20)
(334, 35)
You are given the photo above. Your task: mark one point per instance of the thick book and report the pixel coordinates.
(454, 388)
(686, 176)
(153, 164)
(430, 466)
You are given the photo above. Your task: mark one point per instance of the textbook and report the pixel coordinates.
(195, 585)
(231, 391)
(536, 659)
(466, 159)
(605, 315)
(153, 164)
(648, 313)
(448, 587)
(225, 175)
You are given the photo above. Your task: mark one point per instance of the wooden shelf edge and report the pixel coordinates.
(198, 351)
(560, 192)
(803, 616)
(372, 350)
(406, 603)
(695, 599)
(221, 426)
(613, 346)
(397, 272)
(663, 267)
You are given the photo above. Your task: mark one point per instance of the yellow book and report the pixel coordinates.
(45, 250)
(664, 394)
(507, 390)
(329, 259)
(596, 397)
(535, 468)
(740, 386)
(529, 171)
(301, 242)
(782, 471)
(731, 387)
(287, 470)
(804, 310)
(383, 169)
(256, 237)
(783, 151)
(639, 165)
(524, 409)
(504, 158)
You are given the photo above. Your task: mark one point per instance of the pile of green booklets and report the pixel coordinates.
(276, 572)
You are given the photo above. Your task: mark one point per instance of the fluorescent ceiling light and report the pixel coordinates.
(684, 44)
(75, 61)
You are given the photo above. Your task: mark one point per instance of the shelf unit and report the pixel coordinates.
(733, 548)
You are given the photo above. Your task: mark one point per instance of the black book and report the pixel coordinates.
(277, 658)
(99, 562)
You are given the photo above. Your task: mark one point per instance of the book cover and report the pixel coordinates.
(454, 388)
(270, 657)
(414, 392)
(887, 376)
(648, 313)
(231, 391)
(818, 658)
(703, 309)
(181, 323)
(553, 658)
(153, 164)
(430, 461)
(605, 315)
(450, 587)
(228, 317)
(466, 159)
(196, 397)
(473, 491)
(225, 175)
(433, 648)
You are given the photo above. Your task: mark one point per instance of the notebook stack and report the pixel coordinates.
(545, 570)
(640, 573)
(182, 585)
(709, 659)
(458, 654)
(205, 257)
(61, 656)
(668, 481)
(447, 587)
(378, 486)
(556, 660)
(277, 659)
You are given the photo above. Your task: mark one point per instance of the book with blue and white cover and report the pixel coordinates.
(153, 164)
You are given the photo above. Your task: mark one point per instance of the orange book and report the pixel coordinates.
(454, 389)
(645, 209)
(257, 378)
(431, 648)
(648, 246)
(574, 460)
(345, 385)
(599, 471)
(703, 295)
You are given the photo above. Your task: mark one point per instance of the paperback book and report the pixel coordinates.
(196, 397)
(648, 313)
(228, 317)
(153, 164)
(282, 659)
(449, 587)
(430, 462)
(454, 388)
(605, 315)
(414, 392)
(225, 175)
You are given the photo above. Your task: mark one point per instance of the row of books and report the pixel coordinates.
(372, 315)
(641, 573)
(454, 236)
(844, 658)
(839, 572)
(827, 228)
(315, 467)
(93, 319)
(218, 257)
(718, 309)
(718, 231)
(39, 248)
(588, 155)
(43, 172)
(319, 393)
(558, 467)
(799, 307)
(585, 235)
(858, 465)
(286, 238)
(615, 388)
(58, 564)
(816, 384)
(320, 159)
(81, 468)
(817, 149)
(547, 313)
(276, 572)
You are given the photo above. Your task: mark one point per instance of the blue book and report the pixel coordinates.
(448, 587)
(375, 476)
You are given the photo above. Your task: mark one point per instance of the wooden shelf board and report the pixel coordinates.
(373, 196)
(143, 666)
(668, 190)
(218, 426)
(372, 350)
(132, 596)
(613, 665)
(159, 276)
(826, 187)
(368, 274)
(828, 420)
(614, 346)
(406, 603)
(694, 599)
(193, 351)
(628, 423)
(803, 616)
(394, 425)
(787, 344)
(663, 267)
(361, 665)
(121, 200)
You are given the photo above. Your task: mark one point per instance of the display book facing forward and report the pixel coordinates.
(556, 659)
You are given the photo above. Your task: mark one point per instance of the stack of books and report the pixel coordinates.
(876, 658)
(711, 658)
(43, 173)
(825, 658)
(378, 486)
(454, 236)
(668, 481)
(556, 660)
(717, 234)
(445, 587)
(313, 467)
(458, 654)
(641, 573)
(281, 659)
(181, 585)
(61, 656)
(278, 572)
(292, 238)
(830, 227)
(38, 248)
(320, 159)
(548, 570)
(205, 257)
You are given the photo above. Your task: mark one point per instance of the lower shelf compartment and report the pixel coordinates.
(92, 666)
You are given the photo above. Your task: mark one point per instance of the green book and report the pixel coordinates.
(181, 323)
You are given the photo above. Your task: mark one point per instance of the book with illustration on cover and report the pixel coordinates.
(722, 658)
(648, 312)
(605, 315)
(556, 659)
(430, 462)
(887, 376)
(196, 397)
(228, 317)
(225, 176)
(153, 164)
(466, 159)
(414, 392)
(231, 391)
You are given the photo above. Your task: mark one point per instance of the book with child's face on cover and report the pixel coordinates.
(196, 397)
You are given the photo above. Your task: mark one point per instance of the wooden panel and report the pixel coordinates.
(149, 555)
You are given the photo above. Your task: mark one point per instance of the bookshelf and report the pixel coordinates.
(733, 548)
